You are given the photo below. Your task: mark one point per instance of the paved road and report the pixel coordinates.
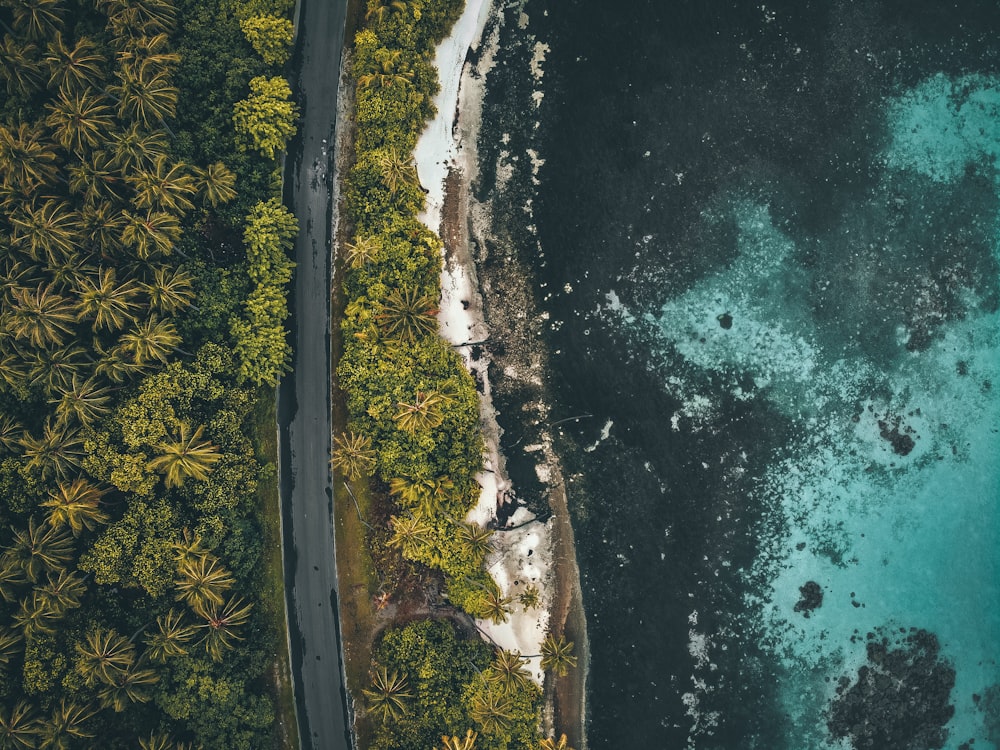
(304, 397)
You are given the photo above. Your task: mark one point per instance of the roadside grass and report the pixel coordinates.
(272, 596)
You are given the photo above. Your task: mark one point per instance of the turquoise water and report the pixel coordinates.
(888, 494)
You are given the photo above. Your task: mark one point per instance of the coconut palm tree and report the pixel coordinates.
(76, 504)
(495, 606)
(36, 616)
(63, 591)
(97, 179)
(385, 71)
(79, 120)
(114, 364)
(11, 644)
(389, 694)
(18, 728)
(427, 496)
(151, 233)
(106, 303)
(73, 68)
(530, 598)
(46, 231)
(220, 625)
(202, 581)
(189, 547)
(476, 537)
(507, 672)
(362, 251)
(12, 577)
(135, 148)
(38, 19)
(353, 455)
(169, 290)
(104, 655)
(550, 743)
(20, 66)
(65, 723)
(147, 52)
(468, 742)
(10, 431)
(40, 316)
(26, 160)
(407, 314)
(171, 637)
(557, 654)
(186, 455)
(150, 340)
(144, 96)
(380, 9)
(425, 413)
(84, 402)
(215, 184)
(135, 18)
(127, 687)
(37, 549)
(57, 452)
(165, 186)
(396, 169)
(408, 532)
(491, 709)
(54, 369)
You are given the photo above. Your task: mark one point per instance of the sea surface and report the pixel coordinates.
(763, 244)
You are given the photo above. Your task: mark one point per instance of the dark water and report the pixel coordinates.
(765, 240)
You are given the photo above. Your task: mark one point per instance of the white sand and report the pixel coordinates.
(521, 556)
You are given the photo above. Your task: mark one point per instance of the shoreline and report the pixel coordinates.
(447, 160)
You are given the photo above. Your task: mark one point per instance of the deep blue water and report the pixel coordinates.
(765, 240)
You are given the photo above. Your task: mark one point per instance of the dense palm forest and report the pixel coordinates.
(142, 266)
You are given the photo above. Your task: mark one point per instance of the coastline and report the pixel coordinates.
(526, 549)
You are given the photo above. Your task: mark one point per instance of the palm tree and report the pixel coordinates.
(187, 455)
(220, 623)
(38, 549)
(549, 743)
(55, 369)
(11, 578)
(189, 547)
(215, 184)
(396, 169)
(135, 18)
(491, 709)
(79, 120)
(150, 340)
(40, 316)
(507, 672)
(144, 96)
(38, 19)
(389, 695)
(353, 455)
(10, 430)
(49, 231)
(465, 743)
(77, 505)
(202, 581)
(56, 453)
(165, 186)
(425, 413)
(495, 606)
(135, 148)
(20, 66)
(427, 496)
(530, 598)
(128, 686)
(152, 52)
(64, 724)
(37, 615)
(408, 532)
(385, 71)
(97, 179)
(104, 655)
(104, 301)
(26, 160)
(114, 364)
(379, 9)
(63, 592)
(171, 637)
(557, 654)
(476, 537)
(73, 68)
(362, 251)
(407, 314)
(18, 728)
(11, 644)
(151, 233)
(84, 402)
(170, 289)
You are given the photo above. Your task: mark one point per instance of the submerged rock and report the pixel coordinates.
(812, 598)
(901, 698)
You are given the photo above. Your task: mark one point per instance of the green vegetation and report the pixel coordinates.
(142, 273)
(414, 420)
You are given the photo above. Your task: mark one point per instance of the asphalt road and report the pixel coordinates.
(304, 396)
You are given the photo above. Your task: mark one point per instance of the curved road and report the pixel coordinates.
(304, 396)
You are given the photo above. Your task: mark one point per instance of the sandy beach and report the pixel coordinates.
(526, 551)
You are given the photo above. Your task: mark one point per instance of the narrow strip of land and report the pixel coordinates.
(304, 400)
